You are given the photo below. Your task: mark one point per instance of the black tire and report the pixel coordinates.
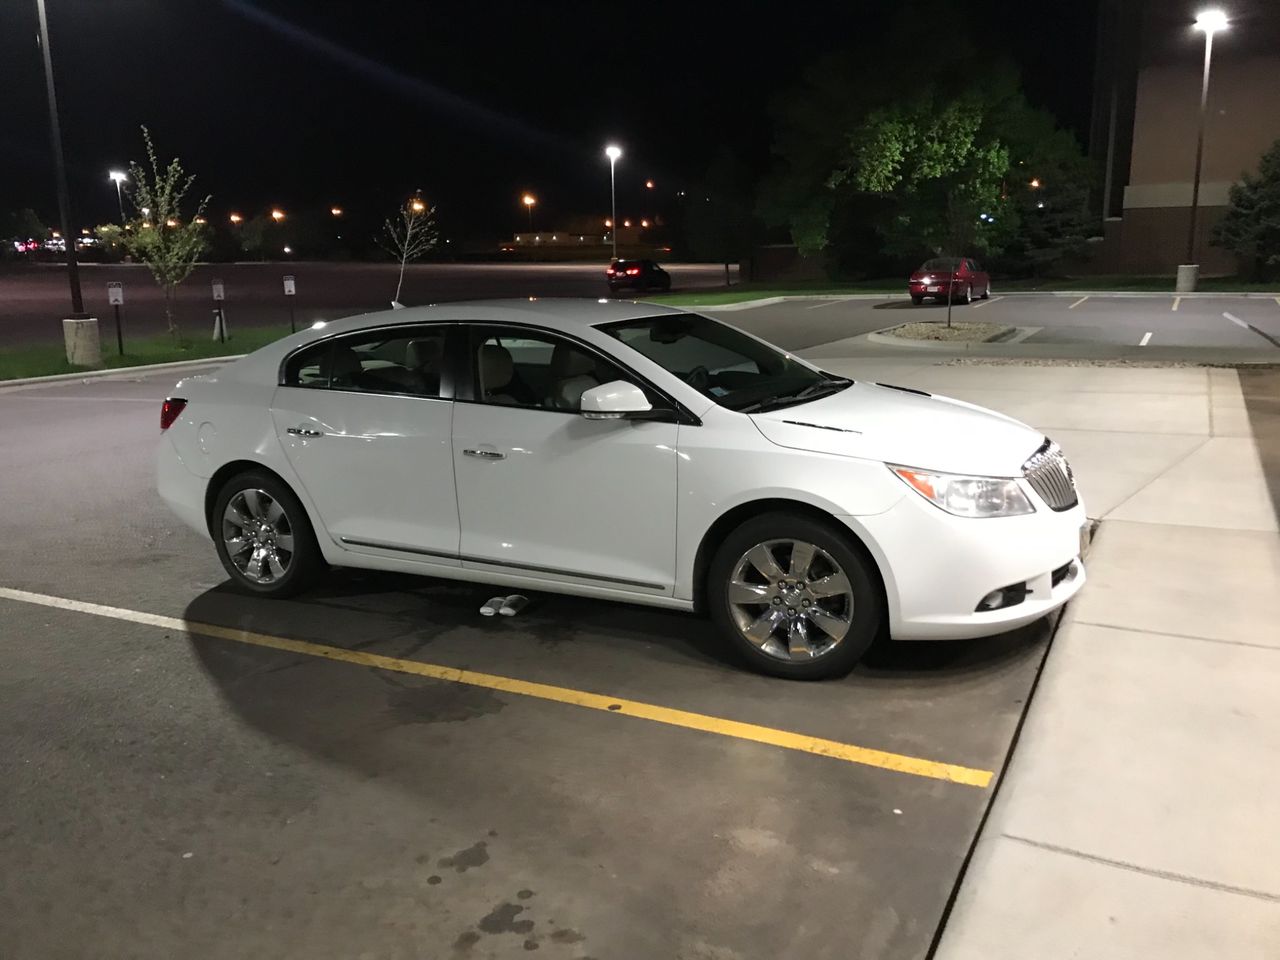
(986, 292)
(866, 600)
(305, 562)
(917, 300)
(968, 295)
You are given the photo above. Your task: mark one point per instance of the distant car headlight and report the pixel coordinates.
(967, 496)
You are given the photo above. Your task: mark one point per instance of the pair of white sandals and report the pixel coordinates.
(504, 606)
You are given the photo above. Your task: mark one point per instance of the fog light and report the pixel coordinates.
(1004, 597)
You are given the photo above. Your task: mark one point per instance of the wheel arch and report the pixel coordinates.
(743, 512)
(229, 470)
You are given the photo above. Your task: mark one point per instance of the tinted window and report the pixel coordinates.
(733, 369)
(519, 368)
(942, 263)
(401, 360)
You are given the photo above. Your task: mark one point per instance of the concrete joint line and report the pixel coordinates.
(1180, 636)
(1182, 459)
(1147, 871)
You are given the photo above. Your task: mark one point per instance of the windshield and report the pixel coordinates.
(724, 364)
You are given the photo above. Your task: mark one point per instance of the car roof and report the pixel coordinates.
(554, 313)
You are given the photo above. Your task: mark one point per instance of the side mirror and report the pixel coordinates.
(613, 401)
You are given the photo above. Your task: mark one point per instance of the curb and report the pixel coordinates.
(116, 371)
(1119, 294)
(767, 301)
(1018, 335)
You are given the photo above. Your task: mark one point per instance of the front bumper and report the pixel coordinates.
(938, 567)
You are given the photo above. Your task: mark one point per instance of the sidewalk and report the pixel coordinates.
(1137, 819)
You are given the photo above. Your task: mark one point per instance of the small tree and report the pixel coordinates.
(161, 235)
(1251, 226)
(408, 236)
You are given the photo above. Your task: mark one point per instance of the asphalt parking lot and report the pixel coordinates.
(1154, 322)
(192, 772)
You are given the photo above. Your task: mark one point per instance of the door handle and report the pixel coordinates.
(304, 432)
(486, 454)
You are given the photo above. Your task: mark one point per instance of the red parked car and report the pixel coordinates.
(960, 277)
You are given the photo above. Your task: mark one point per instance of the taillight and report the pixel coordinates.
(170, 410)
(611, 271)
(633, 271)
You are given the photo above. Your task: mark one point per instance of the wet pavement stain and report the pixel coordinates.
(566, 935)
(434, 879)
(524, 894)
(502, 919)
(441, 704)
(531, 944)
(476, 855)
(466, 940)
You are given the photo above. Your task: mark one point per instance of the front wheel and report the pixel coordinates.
(263, 536)
(986, 292)
(794, 597)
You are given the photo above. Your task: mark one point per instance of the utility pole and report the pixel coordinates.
(60, 169)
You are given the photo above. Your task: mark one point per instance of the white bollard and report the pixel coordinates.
(81, 339)
(1188, 275)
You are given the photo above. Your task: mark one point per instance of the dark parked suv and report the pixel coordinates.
(638, 275)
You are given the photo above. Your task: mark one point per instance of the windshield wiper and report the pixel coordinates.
(811, 392)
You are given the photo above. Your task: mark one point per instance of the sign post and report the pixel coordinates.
(291, 291)
(219, 318)
(115, 297)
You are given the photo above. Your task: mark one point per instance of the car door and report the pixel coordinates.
(365, 421)
(545, 492)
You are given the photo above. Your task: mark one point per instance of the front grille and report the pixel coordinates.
(1050, 476)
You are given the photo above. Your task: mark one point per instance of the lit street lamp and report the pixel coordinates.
(119, 178)
(613, 152)
(1210, 22)
(335, 211)
(529, 200)
(277, 214)
(235, 218)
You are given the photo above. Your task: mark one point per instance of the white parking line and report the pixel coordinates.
(1146, 338)
(1176, 301)
(1236, 320)
(983, 303)
(1077, 303)
(819, 306)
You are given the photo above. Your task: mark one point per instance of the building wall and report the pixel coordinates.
(1153, 151)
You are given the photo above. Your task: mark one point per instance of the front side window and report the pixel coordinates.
(724, 364)
(519, 368)
(403, 360)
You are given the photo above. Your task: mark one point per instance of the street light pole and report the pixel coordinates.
(55, 140)
(1210, 21)
(613, 153)
(119, 178)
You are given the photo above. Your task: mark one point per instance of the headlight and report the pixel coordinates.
(967, 496)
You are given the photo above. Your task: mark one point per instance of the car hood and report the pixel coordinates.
(903, 426)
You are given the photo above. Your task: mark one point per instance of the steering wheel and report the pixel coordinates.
(699, 377)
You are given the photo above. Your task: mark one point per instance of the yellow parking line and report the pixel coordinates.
(1176, 301)
(852, 753)
(1077, 303)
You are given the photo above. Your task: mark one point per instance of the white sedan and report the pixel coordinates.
(628, 451)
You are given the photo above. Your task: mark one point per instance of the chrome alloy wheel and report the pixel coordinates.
(258, 536)
(791, 599)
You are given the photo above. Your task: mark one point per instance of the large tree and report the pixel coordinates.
(1251, 226)
(718, 219)
(936, 151)
(166, 233)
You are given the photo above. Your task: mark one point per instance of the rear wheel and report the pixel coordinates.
(794, 597)
(263, 536)
(917, 300)
(968, 295)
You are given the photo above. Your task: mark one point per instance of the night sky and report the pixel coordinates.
(358, 104)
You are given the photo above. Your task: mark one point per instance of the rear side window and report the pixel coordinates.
(307, 368)
(404, 360)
